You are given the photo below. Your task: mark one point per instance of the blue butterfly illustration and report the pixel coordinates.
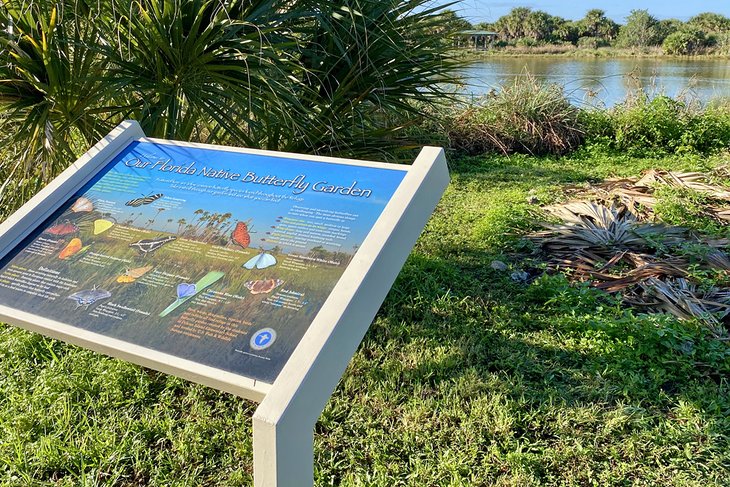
(88, 297)
(260, 261)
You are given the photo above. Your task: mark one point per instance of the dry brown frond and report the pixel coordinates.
(637, 195)
(695, 181)
(718, 260)
(649, 270)
(685, 300)
(605, 230)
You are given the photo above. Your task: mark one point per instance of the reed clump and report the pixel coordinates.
(526, 116)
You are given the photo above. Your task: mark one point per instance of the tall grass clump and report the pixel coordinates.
(526, 116)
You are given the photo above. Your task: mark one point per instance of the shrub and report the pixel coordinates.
(598, 126)
(685, 42)
(294, 75)
(659, 125)
(719, 42)
(707, 131)
(592, 42)
(526, 42)
(527, 116)
(655, 124)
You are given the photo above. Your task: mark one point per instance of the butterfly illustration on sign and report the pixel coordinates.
(88, 297)
(82, 205)
(131, 275)
(146, 200)
(147, 245)
(74, 248)
(101, 225)
(263, 286)
(242, 234)
(186, 291)
(260, 261)
(62, 229)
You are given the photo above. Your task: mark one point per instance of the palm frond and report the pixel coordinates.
(51, 88)
(695, 181)
(685, 300)
(602, 229)
(367, 67)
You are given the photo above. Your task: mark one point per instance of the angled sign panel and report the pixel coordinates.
(250, 271)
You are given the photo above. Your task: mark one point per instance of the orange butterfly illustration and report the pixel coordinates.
(241, 236)
(132, 275)
(72, 248)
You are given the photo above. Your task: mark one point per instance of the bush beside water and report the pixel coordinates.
(526, 116)
(533, 117)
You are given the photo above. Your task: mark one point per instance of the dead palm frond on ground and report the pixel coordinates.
(684, 299)
(603, 229)
(639, 195)
(615, 243)
(695, 181)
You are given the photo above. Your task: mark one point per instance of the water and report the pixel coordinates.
(605, 82)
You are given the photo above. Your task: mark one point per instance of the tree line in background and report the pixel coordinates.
(704, 33)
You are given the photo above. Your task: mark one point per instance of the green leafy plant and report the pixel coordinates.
(646, 125)
(685, 42)
(370, 68)
(201, 69)
(685, 207)
(348, 76)
(52, 92)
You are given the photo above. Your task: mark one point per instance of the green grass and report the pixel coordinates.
(464, 379)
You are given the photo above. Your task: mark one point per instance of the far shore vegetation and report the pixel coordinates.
(527, 31)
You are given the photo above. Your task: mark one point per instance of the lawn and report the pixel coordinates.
(466, 377)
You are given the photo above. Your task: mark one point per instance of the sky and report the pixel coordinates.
(488, 11)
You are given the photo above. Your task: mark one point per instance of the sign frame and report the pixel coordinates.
(289, 407)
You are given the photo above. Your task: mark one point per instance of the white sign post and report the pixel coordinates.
(275, 321)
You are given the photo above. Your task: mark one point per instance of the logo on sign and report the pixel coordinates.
(263, 339)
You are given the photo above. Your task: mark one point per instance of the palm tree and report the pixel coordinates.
(220, 225)
(539, 25)
(208, 230)
(512, 25)
(217, 66)
(202, 219)
(159, 210)
(53, 89)
(351, 66)
(247, 72)
(596, 24)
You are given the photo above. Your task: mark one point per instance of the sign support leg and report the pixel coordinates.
(283, 452)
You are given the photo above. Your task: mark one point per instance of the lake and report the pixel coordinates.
(605, 81)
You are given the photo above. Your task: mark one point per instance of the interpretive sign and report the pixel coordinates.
(231, 267)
